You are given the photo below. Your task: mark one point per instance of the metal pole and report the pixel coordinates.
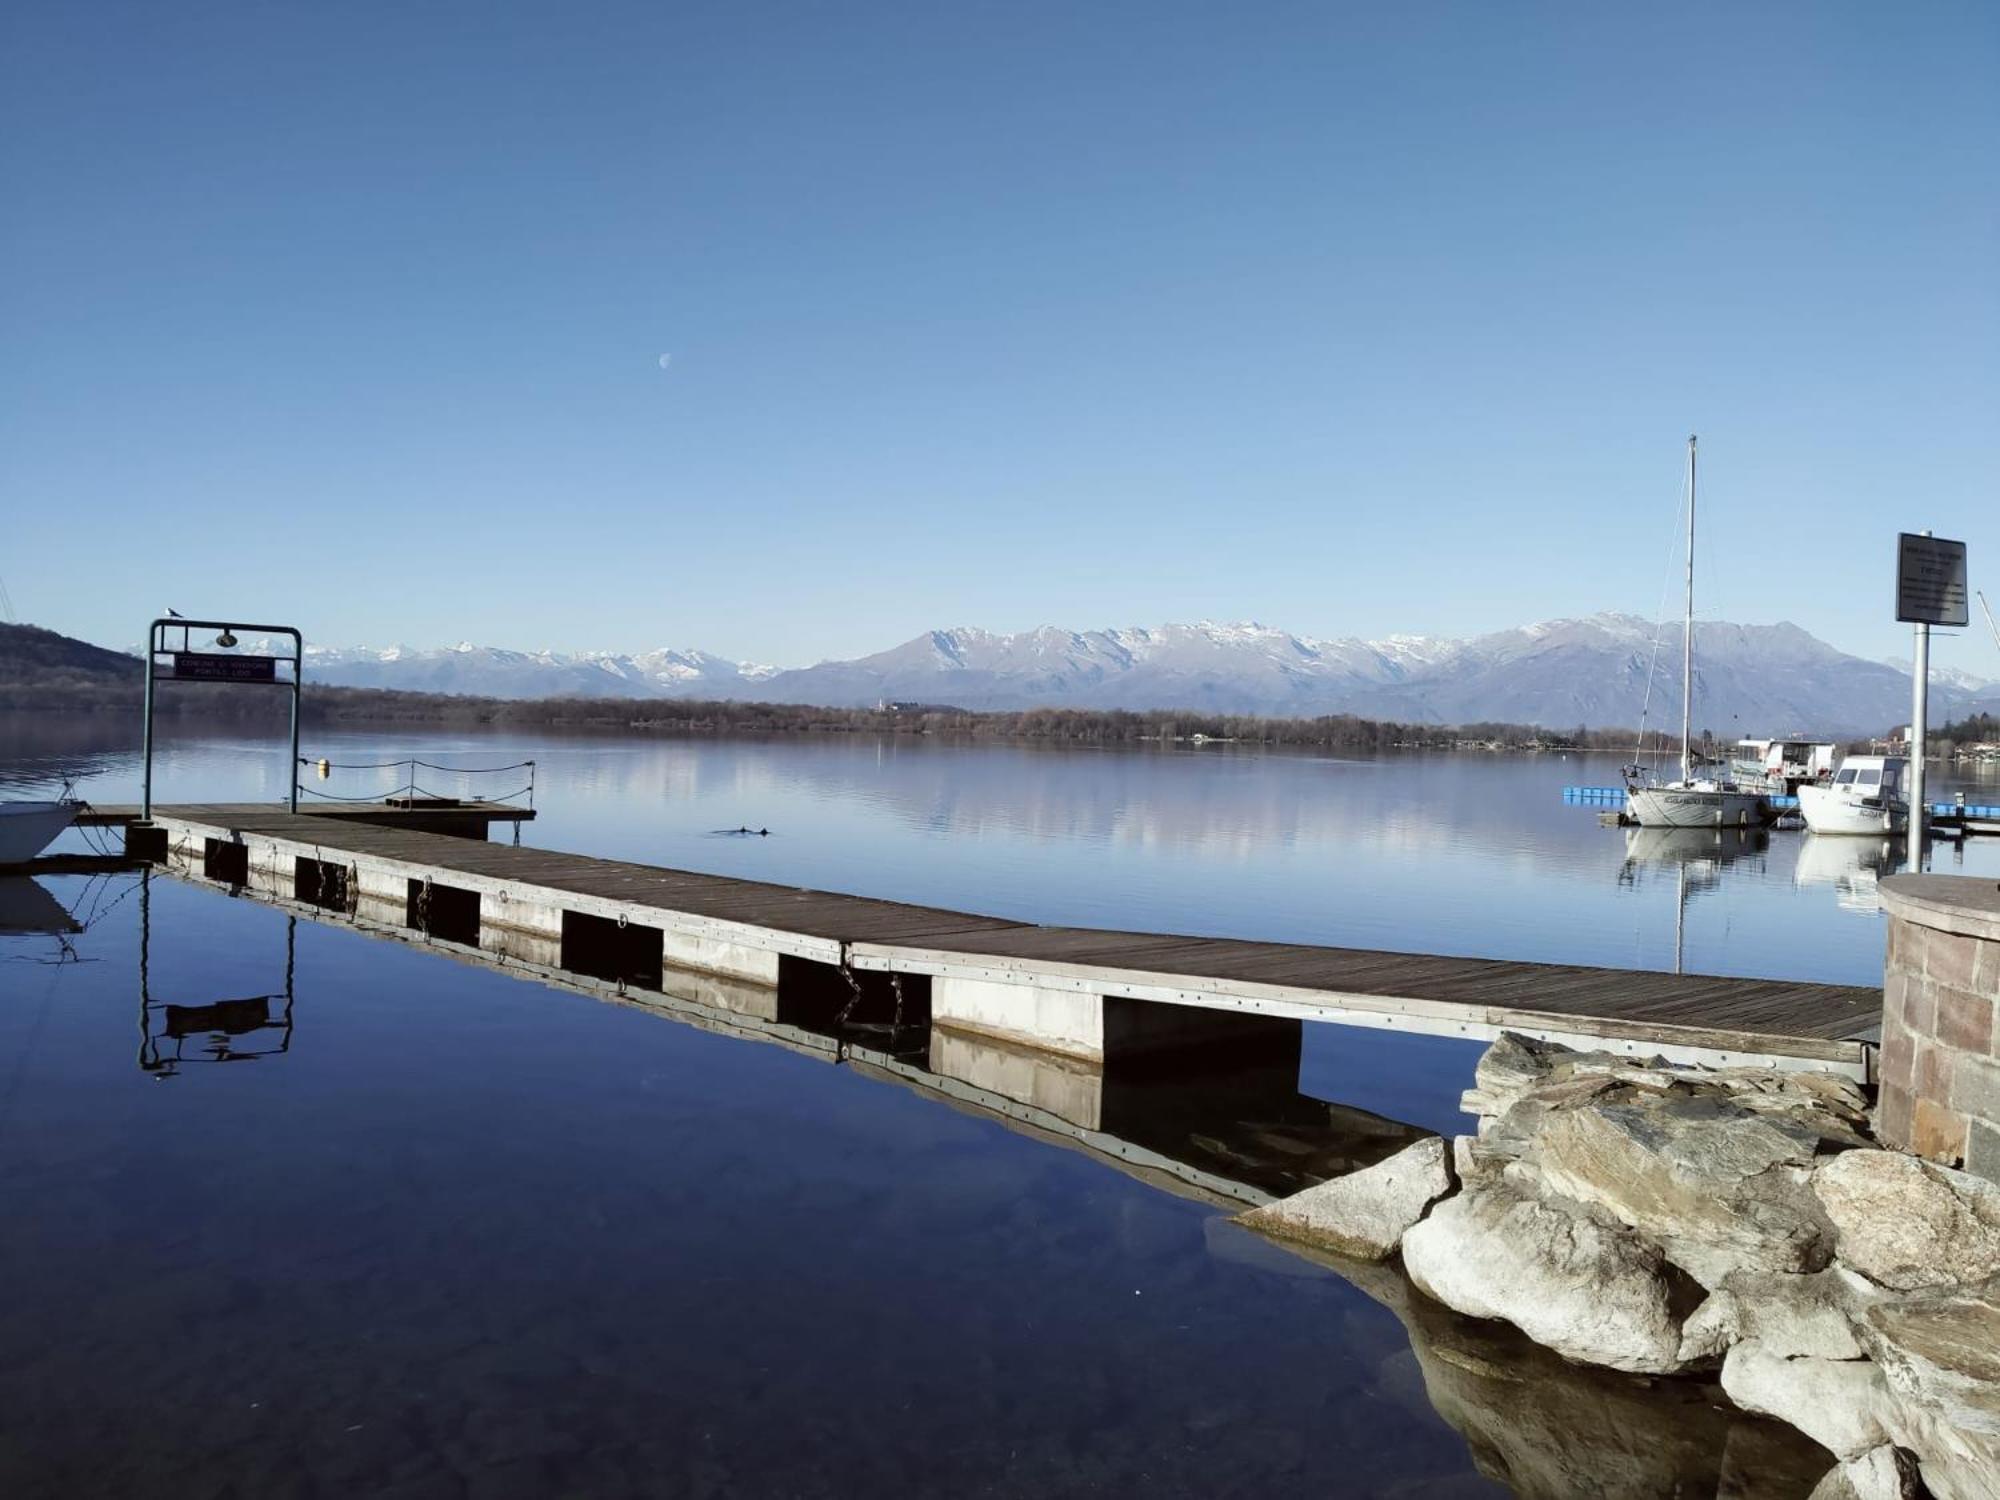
(146, 793)
(1920, 674)
(298, 674)
(1687, 634)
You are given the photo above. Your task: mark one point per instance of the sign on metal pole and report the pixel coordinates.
(175, 660)
(210, 666)
(1930, 581)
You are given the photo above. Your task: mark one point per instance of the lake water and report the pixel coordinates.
(295, 1210)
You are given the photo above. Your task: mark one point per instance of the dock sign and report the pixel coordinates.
(1930, 580)
(213, 666)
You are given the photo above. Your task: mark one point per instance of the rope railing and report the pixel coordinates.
(407, 784)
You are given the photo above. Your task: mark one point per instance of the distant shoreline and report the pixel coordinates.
(383, 708)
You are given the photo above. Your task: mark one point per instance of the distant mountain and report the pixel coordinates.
(490, 671)
(1749, 679)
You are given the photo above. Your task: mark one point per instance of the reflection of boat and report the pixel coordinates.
(1697, 856)
(1691, 802)
(1681, 846)
(1865, 796)
(26, 907)
(27, 828)
(1852, 866)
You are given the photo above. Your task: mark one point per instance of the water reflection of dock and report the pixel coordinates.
(236, 1028)
(1230, 1127)
(1097, 994)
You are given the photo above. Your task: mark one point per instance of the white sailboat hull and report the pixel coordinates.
(1829, 809)
(1694, 807)
(27, 828)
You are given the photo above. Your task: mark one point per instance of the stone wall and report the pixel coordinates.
(1940, 1060)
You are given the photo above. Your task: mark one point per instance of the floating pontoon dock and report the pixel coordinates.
(1081, 993)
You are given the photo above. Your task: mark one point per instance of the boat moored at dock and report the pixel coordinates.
(27, 828)
(1691, 801)
(1866, 796)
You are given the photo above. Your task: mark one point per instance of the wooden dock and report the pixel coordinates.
(1081, 992)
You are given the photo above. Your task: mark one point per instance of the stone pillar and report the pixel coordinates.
(1940, 1060)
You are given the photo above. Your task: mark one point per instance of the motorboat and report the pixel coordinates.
(1865, 796)
(27, 828)
(1783, 766)
(1692, 801)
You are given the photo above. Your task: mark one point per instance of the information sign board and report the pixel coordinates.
(213, 666)
(1930, 580)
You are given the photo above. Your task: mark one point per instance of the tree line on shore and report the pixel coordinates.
(324, 705)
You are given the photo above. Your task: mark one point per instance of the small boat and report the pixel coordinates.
(27, 828)
(1783, 766)
(1692, 801)
(1865, 796)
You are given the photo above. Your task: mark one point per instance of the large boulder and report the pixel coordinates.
(1365, 1213)
(1587, 1288)
(1719, 1185)
(1940, 1353)
(1884, 1473)
(1791, 1316)
(1907, 1224)
(1548, 1429)
(1843, 1404)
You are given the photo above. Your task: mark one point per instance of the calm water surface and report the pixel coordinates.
(452, 1233)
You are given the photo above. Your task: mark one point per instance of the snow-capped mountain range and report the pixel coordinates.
(1749, 679)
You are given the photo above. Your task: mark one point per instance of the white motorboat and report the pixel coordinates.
(1691, 801)
(1865, 796)
(27, 828)
(1783, 766)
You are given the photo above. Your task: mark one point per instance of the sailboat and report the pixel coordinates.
(27, 828)
(1691, 802)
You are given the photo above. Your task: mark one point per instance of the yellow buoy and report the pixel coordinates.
(325, 768)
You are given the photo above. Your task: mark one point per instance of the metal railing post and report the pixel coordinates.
(146, 785)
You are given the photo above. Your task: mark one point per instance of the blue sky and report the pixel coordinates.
(1352, 319)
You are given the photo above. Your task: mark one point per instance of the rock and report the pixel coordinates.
(1507, 1069)
(1908, 1224)
(1592, 1291)
(1884, 1473)
(1719, 1185)
(1365, 1213)
(1942, 1349)
(1841, 1404)
(1792, 1316)
(1548, 1429)
(1940, 1353)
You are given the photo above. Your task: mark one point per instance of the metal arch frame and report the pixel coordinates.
(155, 648)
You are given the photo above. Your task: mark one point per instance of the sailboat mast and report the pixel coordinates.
(1687, 635)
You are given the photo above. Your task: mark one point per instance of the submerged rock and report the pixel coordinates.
(1590, 1290)
(1365, 1213)
(1908, 1224)
(1549, 1429)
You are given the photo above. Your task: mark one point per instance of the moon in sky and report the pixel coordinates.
(665, 360)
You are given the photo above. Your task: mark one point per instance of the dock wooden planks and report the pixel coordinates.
(1474, 996)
